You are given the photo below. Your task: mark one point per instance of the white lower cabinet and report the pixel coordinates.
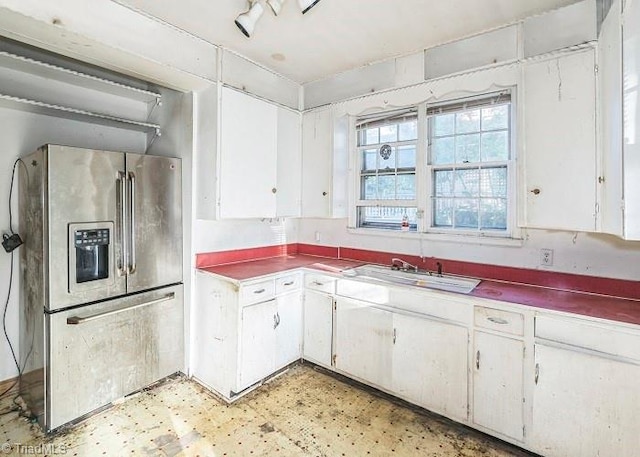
(258, 343)
(584, 404)
(430, 364)
(244, 331)
(421, 360)
(498, 384)
(288, 329)
(270, 338)
(318, 327)
(575, 395)
(364, 339)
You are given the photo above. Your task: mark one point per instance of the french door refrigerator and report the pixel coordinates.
(101, 306)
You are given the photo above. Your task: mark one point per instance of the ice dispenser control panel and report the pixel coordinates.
(88, 238)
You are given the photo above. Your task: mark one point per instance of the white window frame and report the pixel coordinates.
(424, 186)
(359, 202)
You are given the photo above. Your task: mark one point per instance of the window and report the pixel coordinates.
(462, 161)
(469, 152)
(387, 150)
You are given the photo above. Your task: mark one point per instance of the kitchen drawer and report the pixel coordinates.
(288, 283)
(499, 320)
(257, 291)
(321, 283)
(621, 342)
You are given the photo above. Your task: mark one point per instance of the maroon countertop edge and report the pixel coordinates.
(604, 298)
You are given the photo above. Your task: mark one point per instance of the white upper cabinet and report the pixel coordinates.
(248, 154)
(259, 158)
(560, 142)
(317, 163)
(631, 119)
(289, 173)
(618, 73)
(325, 157)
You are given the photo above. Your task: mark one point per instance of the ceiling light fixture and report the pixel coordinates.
(276, 5)
(306, 5)
(246, 22)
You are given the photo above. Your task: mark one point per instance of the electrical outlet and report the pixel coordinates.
(546, 257)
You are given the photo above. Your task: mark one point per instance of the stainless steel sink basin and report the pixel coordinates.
(417, 279)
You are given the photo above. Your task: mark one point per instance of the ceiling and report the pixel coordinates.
(338, 35)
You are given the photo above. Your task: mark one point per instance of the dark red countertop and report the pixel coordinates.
(598, 306)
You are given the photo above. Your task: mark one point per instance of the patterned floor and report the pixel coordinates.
(304, 412)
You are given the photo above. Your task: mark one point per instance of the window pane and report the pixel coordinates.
(468, 148)
(495, 146)
(369, 159)
(466, 213)
(389, 134)
(387, 217)
(443, 212)
(387, 187)
(442, 150)
(468, 121)
(407, 157)
(493, 182)
(371, 136)
(443, 124)
(467, 183)
(408, 131)
(388, 163)
(406, 187)
(495, 117)
(493, 213)
(369, 187)
(443, 183)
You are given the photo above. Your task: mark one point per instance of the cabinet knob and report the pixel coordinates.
(274, 190)
(324, 194)
(535, 191)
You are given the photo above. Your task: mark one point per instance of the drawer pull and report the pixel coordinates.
(498, 320)
(477, 360)
(259, 291)
(290, 283)
(537, 374)
(318, 283)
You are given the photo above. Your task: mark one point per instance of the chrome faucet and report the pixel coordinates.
(399, 264)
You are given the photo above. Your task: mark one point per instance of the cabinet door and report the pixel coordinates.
(257, 343)
(289, 175)
(318, 327)
(584, 405)
(560, 142)
(430, 361)
(248, 156)
(317, 163)
(498, 384)
(288, 329)
(364, 339)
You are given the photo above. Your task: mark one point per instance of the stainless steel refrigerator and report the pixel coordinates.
(101, 306)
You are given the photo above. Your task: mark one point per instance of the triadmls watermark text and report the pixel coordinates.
(33, 449)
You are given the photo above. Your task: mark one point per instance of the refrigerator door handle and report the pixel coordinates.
(132, 246)
(122, 180)
(76, 320)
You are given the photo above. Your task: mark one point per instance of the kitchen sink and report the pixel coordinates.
(410, 278)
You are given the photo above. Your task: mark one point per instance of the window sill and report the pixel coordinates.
(482, 240)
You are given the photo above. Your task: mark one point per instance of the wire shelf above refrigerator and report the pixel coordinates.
(34, 106)
(65, 75)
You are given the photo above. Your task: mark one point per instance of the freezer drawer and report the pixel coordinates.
(99, 353)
